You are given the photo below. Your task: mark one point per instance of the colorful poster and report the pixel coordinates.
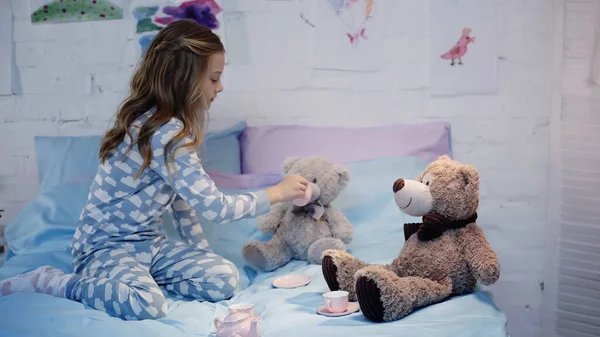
(59, 11)
(348, 35)
(464, 52)
(152, 15)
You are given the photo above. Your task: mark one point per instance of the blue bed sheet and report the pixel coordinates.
(41, 233)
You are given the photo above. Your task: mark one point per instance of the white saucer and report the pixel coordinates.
(291, 281)
(352, 308)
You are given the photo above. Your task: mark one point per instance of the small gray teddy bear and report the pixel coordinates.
(304, 232)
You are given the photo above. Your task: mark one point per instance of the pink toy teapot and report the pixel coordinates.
(237, 324)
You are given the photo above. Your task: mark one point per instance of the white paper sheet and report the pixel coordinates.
(56, 11)
(456, 69)
(6, 48)
(150, 17)
(348, 35)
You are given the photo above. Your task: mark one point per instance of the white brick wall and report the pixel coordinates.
(73, 77)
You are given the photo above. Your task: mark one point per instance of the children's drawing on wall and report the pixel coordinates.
(348, 35)
(460, 48)
(152, 15)
(353, 14)
(60, 11)
(458, 64)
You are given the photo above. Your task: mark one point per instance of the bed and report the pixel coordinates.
(41, 233)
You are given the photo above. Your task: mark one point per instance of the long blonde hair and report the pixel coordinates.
(168, 79)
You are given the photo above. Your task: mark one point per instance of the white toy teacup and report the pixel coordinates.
(306, 198)
(336, 301)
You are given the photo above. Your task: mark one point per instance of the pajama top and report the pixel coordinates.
(122, 211)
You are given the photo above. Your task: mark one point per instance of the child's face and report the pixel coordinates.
(215, 69)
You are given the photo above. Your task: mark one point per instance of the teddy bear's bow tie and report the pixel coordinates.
(434, 225)
(314, 209)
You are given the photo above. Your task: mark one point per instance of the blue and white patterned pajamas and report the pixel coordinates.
(115, 282)
(121, 257)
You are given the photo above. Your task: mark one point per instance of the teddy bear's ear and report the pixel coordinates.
(470, 174)
(288, 163)
(344, 175)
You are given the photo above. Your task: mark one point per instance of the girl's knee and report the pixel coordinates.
(223, 271)
(148, 305)
(157, 310)
(223, 288)
(228, 273)
(218, 282)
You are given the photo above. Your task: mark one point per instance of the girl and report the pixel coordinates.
(148, 165)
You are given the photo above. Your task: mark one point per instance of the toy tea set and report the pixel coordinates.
(445, 196)
(335, 303)
(240, 322)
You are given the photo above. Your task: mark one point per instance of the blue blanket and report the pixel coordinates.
(40, 235)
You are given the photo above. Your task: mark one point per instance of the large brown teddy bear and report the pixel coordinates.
(443, 256)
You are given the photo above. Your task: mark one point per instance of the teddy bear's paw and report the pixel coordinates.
(489, 273)
(330, 273)
(255, 256)
(383, 296)
(337, 254)
(369, 299)
(399, 296)
(339, 268)
(267, 256)
(320, 246)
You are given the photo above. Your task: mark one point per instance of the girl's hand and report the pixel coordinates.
(291, 187)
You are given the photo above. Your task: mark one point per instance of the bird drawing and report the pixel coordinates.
(460, 48)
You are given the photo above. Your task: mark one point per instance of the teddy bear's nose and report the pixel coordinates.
(398, 185)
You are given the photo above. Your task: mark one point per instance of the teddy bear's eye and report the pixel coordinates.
(314, 181)
(427, 183)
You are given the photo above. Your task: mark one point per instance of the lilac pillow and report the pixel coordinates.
(264, 148)
(244, 181)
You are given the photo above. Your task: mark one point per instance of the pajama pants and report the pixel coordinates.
(127, 282)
